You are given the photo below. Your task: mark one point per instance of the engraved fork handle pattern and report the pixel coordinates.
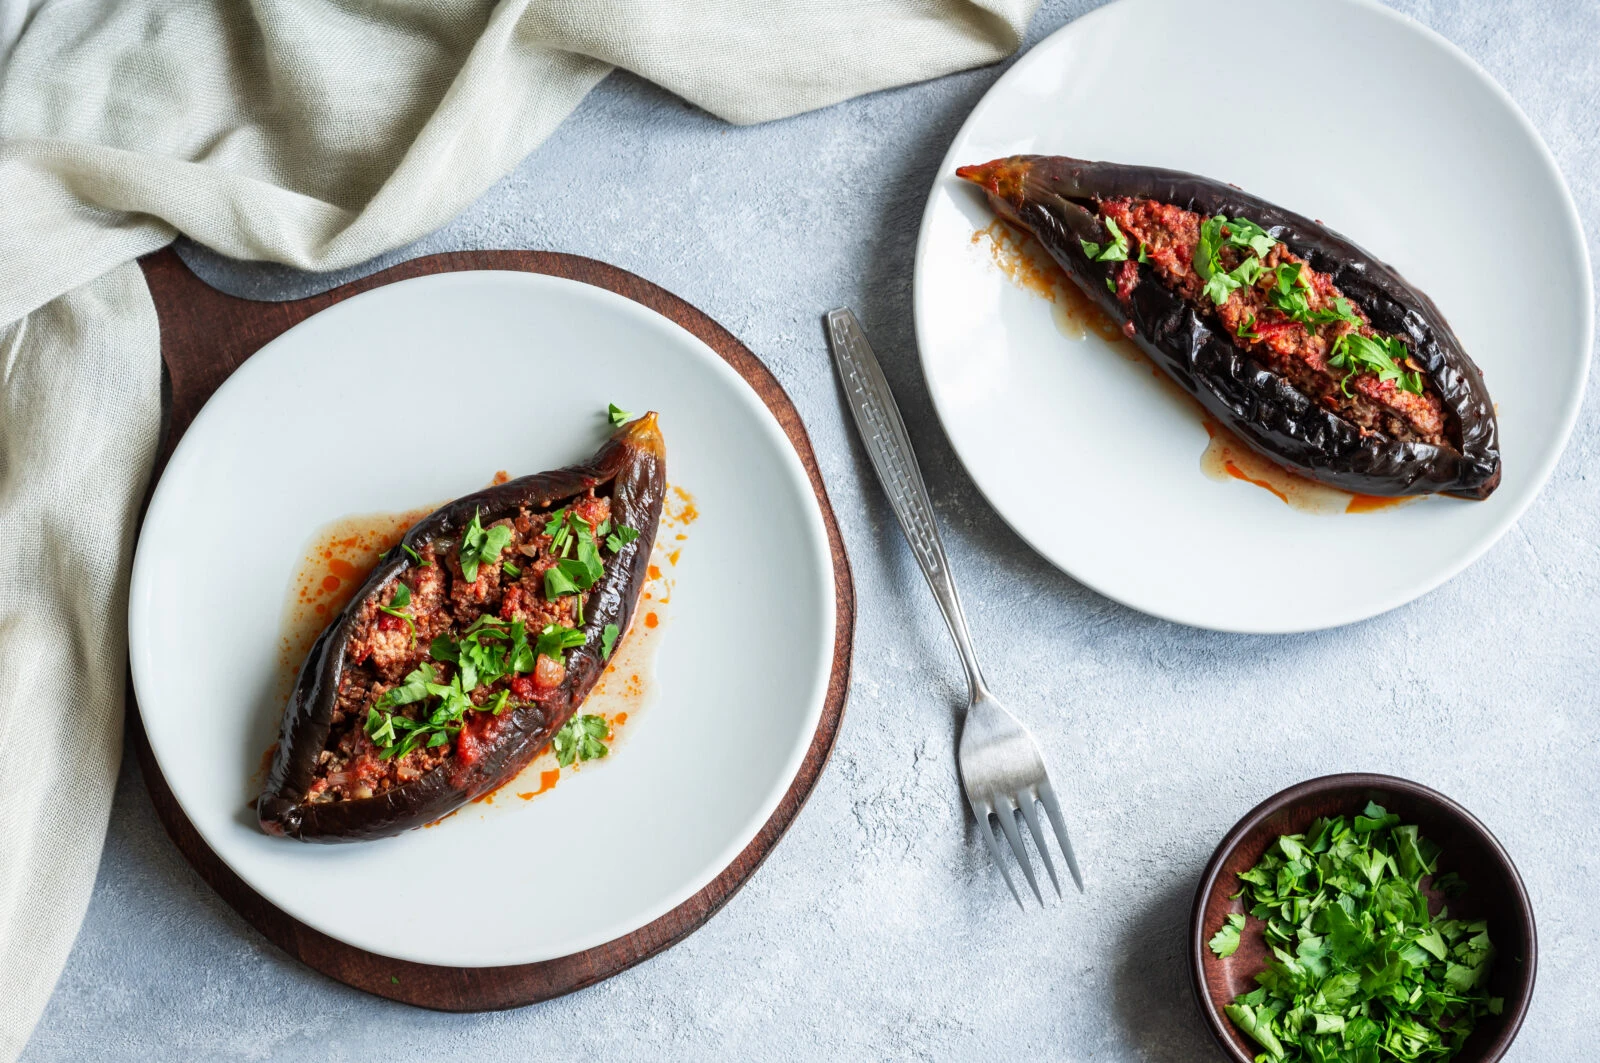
(889, 447)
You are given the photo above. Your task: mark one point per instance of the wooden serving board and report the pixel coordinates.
(205, 336)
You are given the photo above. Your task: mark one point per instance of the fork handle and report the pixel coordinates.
(878, 419)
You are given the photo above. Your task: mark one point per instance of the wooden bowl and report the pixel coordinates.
(1495, 893)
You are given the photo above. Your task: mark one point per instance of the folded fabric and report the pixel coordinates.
(317, 134)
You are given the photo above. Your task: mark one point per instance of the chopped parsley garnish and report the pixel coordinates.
(618, 415)
(401, 599)
(481, 546)
(1217, 232)
(1291, 294)
(1144, 251)
(573, 575)
(510, 569)
(1382, 355)
(396, 735)
(571, 535)
(1360, 972)
(415, 557)
(489, 649)
(555, 640)
(1113, 250)
(1339, 310)
(608, 640)
(581, 738)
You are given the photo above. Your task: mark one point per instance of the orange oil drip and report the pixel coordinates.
(547, 781)
(1372, 503)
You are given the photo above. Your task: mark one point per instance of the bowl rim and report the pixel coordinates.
(1215, 1021)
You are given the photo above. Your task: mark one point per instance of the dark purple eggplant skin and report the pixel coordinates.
(633, 460)
(1055, 198)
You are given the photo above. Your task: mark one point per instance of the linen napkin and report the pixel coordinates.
(317, 134)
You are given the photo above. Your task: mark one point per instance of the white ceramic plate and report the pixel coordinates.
(303, 434)
(1404, 145)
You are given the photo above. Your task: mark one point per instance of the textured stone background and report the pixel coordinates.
(878, 929)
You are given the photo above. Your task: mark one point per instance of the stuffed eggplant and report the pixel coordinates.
(466, 650)
(1315, 353)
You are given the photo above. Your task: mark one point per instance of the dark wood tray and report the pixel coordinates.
(205, 336)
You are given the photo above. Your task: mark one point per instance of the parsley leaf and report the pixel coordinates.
(555, 640)
(1114, 249)
(618, 415)
(401, 599)
(1225, 942)
(581, 738)
(415, 557)
(519, 655)
(559, 581)
(1381, 355)
(413, 689)
(1245, 234)
(608, 640)
(511, 569)
(1339, 310)
(481, 546)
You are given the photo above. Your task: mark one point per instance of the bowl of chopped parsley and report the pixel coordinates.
(1361, 919)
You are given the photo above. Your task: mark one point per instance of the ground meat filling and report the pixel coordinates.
(1299, 352)
(381, 651)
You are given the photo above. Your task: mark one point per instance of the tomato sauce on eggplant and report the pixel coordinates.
(468, 647)
(1315, 353)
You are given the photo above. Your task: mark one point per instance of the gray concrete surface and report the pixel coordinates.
(878, 929)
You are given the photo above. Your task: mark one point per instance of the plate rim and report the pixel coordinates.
(164, 270)
(1539, 474)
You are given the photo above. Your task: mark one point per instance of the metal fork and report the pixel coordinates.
(1002, 770)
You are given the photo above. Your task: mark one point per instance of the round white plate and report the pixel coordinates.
(417, 392)
(1406, 146)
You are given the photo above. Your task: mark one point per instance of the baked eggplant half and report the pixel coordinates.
(470, 645)
(1315, 353)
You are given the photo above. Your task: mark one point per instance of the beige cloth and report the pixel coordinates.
(310, 132)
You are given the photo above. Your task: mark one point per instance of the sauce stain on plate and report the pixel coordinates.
(1026, 263)
(1226, 458)
(343, 553)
